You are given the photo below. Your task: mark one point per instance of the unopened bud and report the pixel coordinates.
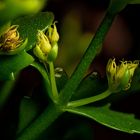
(53, 34)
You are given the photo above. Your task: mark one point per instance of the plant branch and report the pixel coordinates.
(89, 100)
(53, 82)
(34, 130)
(88, 57)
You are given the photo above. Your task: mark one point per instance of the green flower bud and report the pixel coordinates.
(120, 77)
(46, 48)
(53, 34)
(43, 46)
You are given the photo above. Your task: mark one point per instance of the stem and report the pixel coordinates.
(89, 100)
(44, 74)
(53, 82)
(40, 124)
(94, 46)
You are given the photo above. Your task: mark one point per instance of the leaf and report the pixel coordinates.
(135, 85)
(113, 119)
(10, 10)
(29, 25)
(11, 64)
(91, 85)
(27, 113)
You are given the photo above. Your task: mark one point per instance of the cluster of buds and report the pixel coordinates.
(46, 48)
(120, 77)
(10, 40)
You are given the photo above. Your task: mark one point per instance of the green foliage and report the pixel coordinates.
(28, 111)
(59, 91)
(29, 25)
(113, 119)
(10, 9)
(11, 64)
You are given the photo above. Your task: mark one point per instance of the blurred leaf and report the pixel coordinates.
(91, 85)
(10, 9)
(135, 85)
(29, 25)
(11, 64)
(27, 113)
(115, 120)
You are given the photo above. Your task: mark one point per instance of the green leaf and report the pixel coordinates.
(10, 9)
(11, 64)
(91, 85)
(29, 25)
(27, 113)
(113, 119)
(135, 85)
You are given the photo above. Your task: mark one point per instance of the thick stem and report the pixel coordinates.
(89, 100)
(40, 124)
(85, 62)
(53, 82)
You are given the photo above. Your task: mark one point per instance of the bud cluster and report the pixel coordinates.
(46, 48)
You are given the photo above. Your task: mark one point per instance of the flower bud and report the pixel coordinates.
(47, 48)
(43, 46)
(53, 34)
(120, 77)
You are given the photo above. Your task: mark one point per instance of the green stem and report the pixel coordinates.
(94, 46)
(44, 74)
(89, 100)
(53, 82)
(40, 124)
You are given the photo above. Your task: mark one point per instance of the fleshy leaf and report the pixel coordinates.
(11, 64)
(29, 25)
(113, 119)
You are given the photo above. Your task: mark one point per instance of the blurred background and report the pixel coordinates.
(77, 23)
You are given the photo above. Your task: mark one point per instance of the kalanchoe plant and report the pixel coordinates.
(32, 41)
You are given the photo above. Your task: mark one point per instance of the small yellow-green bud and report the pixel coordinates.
(43, 46)
(53, 34)
(43, 42)
(120, 77)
